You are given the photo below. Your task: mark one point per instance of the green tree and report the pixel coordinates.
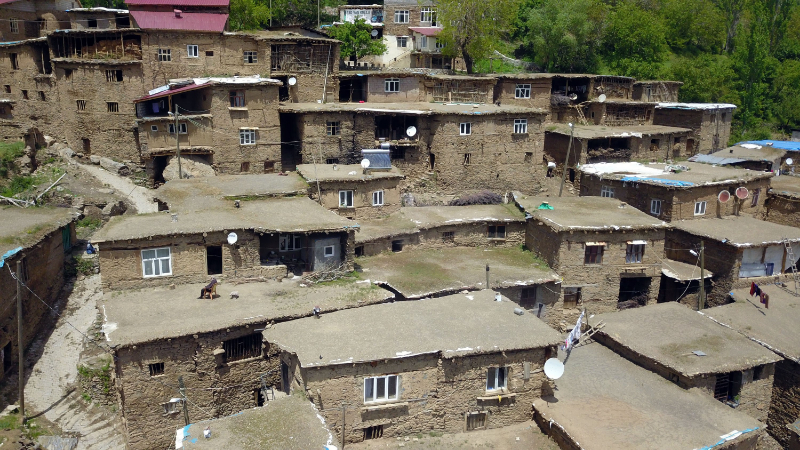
(117, 4)
(695, 25)
(634, 42)
(357, 41)
(787, 95)
(248, 15)
(706, 79)
(473, 28)
(303, 12)
(752, 62)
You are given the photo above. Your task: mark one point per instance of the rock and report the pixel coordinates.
(59, 189)
(114, 167)
(78, 203)
(95, 160)
(49, 141)
(192, 166)
(115, 209)
(92, 212)
(408, 199)
(25, 164)
(105, 191)
(66, 153)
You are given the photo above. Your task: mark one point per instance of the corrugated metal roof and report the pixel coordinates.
(190, 87)
(426, 31)
(719, 160)
(218, 3)
(3, 2)
(784, 145)
(187, 21)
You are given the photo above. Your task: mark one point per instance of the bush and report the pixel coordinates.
(17, 185)
(9, 151)
(480, 198)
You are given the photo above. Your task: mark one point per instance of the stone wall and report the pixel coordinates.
(505, 93)
(409, 90)
(711, 129)
(362, 197)
(785, 406)
(782, 210)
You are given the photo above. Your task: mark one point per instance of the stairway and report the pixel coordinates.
(95, 427)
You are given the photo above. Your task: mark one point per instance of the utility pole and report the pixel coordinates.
(317, 14)
(178, 144)
(566, 161)
(702, 300)
(270, 13)
(344, 408)
(185, 403)
(487, 276)
(20, 346)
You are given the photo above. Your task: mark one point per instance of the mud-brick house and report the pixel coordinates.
(604, 401)
(98, 18)
(774, 328)
(353, 192)
(739, 250)
(35, 241)
(25, 19)
(680, 282)
(710, 123)
(746, 156)
(607, 252)
(679, 191)
(271, 237)
(783, 201)
(656, 91)
(453, 364)
(694, 352)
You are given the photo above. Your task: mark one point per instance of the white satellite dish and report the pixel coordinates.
(724, 196)
(232, 238)
(365, 163)
(292, 81)
(553, 368)
(601, 98)
(374, 33)
(789, 161)
(573, 96)
(742, 193)
(411, 131)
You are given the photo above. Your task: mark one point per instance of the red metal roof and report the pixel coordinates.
(218, 3)
(426, 31)
(187, 21)
(3, 2)
(166, 93)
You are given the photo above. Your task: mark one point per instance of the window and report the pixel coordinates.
(593, 254)
(373, 432)
(42, 97)
(113, 75)
(156, 262)
(7, 88)
(345, 199)
(181, 128)
(391, 85)
(467, 158)
(81, 104)
(244, 166)
(192, 51)
(112, 107)
(522, 91)
(154, 128)
(397, 153)
(397, 246)
(247, 137)
(333, 128)
(572, 296)
(634, 252)
(699, 208)
(756, 194)
(250, 57)
(237, 99)
(290, 242)
(15, 25)
(377, 198)
(427, 15)
(173, 407)
(465, 128)
(497, 231)
(402, 41)
(528, 294)
(401, 16)
(655, 207)
(242, 348)
(520, 126)
(14, 61)
(448, 235)
(424, 42)
(607, 191)
(91, 23)
(328, 251)
(156, 369)
(269, 166)
(439, 45)
(164, 54)
(476, 420)
(210, 53)
(496, 378)
(332, 161)
(25, 94)
(377, 389)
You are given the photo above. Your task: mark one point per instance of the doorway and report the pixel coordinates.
(689, 147)
(285, 385)
(214, 259)
(633, 292)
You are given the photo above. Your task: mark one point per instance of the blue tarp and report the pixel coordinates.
(663, 181)
(783, 145)
(9, 254)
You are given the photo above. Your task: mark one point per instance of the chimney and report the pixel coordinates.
(177, 13)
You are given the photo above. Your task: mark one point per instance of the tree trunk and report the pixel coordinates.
(468, 61)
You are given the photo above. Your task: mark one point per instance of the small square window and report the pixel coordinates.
(655, 207)
(329, 251)
(269, 166)
(332, 161)
(156, 369)
(112, 107)
(476, 421)
(593, 254)
(520, 126)
(496, 378)
(333, 128)
(634, 253)
(699, 208)
(25, 94)
(113, 75)
(154, 128)
(42, 97)
(377, 198)
(528, 294)
(14, 25)
(607, 191)
(237, 99)
(401, 16)
(192, 51)
(397, 153)
(345, 199)
(244, 167)
(181, 128)
(522, 91)
(156, 262)
(392, 85)
(496, 232)
(7, 88)
(209, 52)
(572, 296)
(173, 407)
(465, 128)
(81, 104)
(467, 159)
(402, 41)
(91, 23)
(373, 432)
(250, 57)
(448, 235)
(164, 54)
(247, 137)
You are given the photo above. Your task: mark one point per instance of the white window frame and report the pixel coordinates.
(700, 208)
(465, 129)
(182, 128)
(346, 198)
(173, 407)
(328, 251)
(401, 16)
(15, 25)
(377, 198)
(247, 136)
(424, 43)
(391, 85)
(427, 14)
(154, 128)
(607, 192)
(497, 382)
(250, 57)
(192, 51)
(402, 41)
(290, 242)
(655, 206)
(520, 126)
(522, 90)
(634, 253)
(374, 381)
(159, 259)
(164, 55)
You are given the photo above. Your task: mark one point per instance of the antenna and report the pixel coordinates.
(365, 163)
(789, 161)
(724, 196)
(292, 81)
(601, 98)
(411, 131)
(374, 33)
(742, 193)
(232, 238)
(553, 368)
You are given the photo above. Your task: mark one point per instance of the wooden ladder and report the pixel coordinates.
(792, 260)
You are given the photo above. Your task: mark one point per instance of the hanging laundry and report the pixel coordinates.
(752, 289)
(757, 292)
(574, 335)
(766, 300)
(761, 297)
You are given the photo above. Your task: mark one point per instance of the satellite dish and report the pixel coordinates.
(232, 238)
(724, 196)
(553, 368)
(374, 33)
(573, 96)
(789, 161)
(292, 81)
(365, 163)
(411, 131)
(601, 98)
(742, 192)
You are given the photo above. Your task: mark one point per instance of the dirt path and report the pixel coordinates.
(140, 197)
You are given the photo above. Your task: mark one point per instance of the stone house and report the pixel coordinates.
(746, 156)
(657, 91)
(197, 15)
(427, 52)
(607, 252)
(271, 237)
(40, 239)
(25, 19)
(396, 381)
(678, 191)
(739, 250)
(783, 201)
(773, 328)
(710, 123)
(680, 282)
(666, 339)
(98, 18)
(350, 192)
(399, 17)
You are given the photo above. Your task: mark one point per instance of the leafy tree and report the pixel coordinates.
(732, 11)
(634, 42)
(472, 28)
(787, 94)
(117, 4)
(248, 15)
(303, 12)
(707, 79)
(356, 40)
(693, 25)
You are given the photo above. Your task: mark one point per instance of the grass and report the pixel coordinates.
(89, 223)
(9, 151)
(30, 429)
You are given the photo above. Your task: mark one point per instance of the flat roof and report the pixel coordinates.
(392, 225)
(794, 427)
(681, 271)
(668, 333)
(587, 213)
(604, 401)
(695, 106)
(674, 176)
(746, 152)
(24, 227)
(298, 214)
(194, 194)
(679, 83)
(455, 325)
(603, 131)
(739, 231)
(147, 315)
(436, 216)
(410, 108)
(785, 145)
(417, 273)
(774, 327)
(286, 422)
(345, 172)
(786, 185)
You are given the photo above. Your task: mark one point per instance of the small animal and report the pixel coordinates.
(235, 294)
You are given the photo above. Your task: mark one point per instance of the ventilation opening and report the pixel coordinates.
(258, 396)
(214, 259)
(87, 146)
(476, 421)
(123, 22)
(397, 246)
(156, 369)
(359, 251)
(375, 432)
(91, 23)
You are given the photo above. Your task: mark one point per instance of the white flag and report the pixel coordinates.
(575, 334)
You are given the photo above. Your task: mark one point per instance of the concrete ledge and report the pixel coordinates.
(384, 407)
